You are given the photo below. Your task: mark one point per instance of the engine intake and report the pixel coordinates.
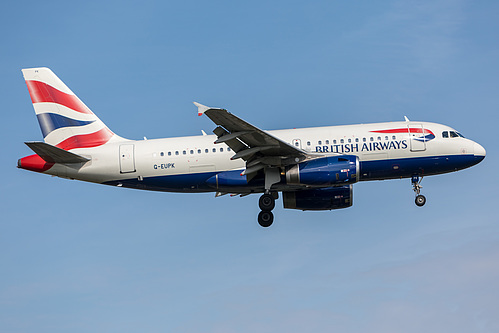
(319, 199)
(332, 170)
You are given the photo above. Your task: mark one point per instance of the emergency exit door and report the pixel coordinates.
(127, 158)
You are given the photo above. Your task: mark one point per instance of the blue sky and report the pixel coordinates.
(83, 257)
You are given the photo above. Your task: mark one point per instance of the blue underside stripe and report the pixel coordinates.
(52, 121)
(370, 170)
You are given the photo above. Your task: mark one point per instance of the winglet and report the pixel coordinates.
(201, 108)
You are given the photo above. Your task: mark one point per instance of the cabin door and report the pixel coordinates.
(127, 158)
(417, 137)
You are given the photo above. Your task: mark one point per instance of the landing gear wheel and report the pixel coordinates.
(420, 200)
(416, 186)
(265, 219)
(266, 203)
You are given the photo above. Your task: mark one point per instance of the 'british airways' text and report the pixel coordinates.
(360, 147)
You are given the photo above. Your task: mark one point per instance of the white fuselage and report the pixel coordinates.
(188, 157)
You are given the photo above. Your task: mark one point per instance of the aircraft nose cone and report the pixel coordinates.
(479, 153)
(479, 150)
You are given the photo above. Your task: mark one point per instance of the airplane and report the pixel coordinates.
(313, 168)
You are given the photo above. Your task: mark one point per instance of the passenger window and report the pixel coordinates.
(176, 153)
(394, 137)
(327, 142)
(221, 150)
(372, 139)
(364, 140)
(453, 134)
(342, 141)
(386, 138)
(169, 153)
(228, 148)
(297, 144)
(161, 154)
(319, 143)
(334, 142)
(349, 140)
(184, 152)
(199, 151)
(379, 138)
(214, 150)
(445, 134)
(192, 152)
(308, 143)
(206, 150)
(356, 139)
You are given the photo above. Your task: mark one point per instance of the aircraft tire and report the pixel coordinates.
(266, 202)
(420, 200)
(265, 218)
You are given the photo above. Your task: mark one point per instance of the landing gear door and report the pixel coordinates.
(127, 158)
(417, 137)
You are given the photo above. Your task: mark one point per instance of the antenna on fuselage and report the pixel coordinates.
(406, 119)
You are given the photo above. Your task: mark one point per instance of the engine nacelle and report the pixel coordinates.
(332, 170)
(319, 199)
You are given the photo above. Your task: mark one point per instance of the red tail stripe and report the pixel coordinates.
(41, 92)
(86, 140)
(405, 130)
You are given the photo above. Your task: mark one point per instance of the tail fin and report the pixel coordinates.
(65, 121)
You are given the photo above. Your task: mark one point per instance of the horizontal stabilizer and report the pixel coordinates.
(52, 154)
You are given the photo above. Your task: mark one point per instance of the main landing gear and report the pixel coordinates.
(266, 203)
(416, 186)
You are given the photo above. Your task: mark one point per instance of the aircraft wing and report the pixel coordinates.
(255, 146)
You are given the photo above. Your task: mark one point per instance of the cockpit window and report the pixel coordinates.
(453, 134)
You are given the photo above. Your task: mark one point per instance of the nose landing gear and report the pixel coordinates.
(266, 203)
(416, 186)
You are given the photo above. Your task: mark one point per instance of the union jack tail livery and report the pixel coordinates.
(66, 122)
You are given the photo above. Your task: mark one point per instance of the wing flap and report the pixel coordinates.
(227, 137)
(251, 151)
(232, 142)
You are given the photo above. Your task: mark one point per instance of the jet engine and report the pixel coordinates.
(332, 170)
